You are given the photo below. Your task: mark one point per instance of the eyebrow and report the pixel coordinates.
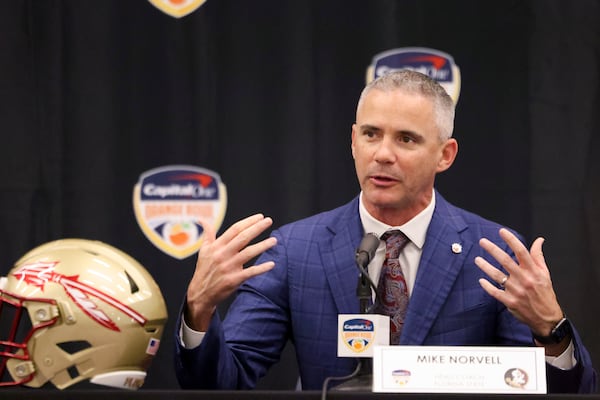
(417, 136)
(365, 127)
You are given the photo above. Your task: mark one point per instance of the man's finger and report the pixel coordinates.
(517, 247)
(254, 250)
(255, 270)
(208, 232)
(499, 255)
(235, 229)
(250, 232)
(492, 290)
(538, 254)
(494, 273)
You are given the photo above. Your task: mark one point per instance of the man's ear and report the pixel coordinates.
(354, 127)
(448, 155)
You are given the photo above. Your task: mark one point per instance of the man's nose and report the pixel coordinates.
(384, 152)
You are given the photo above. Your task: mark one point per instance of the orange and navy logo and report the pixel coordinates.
(170, 202)
(434, 63)
(177, 8)
(358, 334)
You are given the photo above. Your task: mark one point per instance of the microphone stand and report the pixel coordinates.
(363, 381)
(362, 377)
(363, 292)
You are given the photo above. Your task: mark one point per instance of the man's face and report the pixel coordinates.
(397, 153)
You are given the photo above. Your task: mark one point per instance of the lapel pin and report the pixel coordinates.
(456, 248)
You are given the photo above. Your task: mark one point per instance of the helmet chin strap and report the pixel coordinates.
(131, 380)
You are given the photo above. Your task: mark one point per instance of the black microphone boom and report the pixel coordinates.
(364, 254)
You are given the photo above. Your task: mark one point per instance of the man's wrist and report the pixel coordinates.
(198, 320)
(561, 330)
(557, 340)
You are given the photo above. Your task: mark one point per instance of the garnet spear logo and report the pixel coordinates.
(41, 273)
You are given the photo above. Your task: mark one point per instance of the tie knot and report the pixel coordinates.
(395, 241)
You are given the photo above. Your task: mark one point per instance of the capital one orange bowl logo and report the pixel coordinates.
(177, 8)
(358, 334)
(171, 201)
(436, 64)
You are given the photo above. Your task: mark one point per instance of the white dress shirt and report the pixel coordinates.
(415, 230)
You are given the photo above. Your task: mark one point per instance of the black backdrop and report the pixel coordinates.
(93, 93)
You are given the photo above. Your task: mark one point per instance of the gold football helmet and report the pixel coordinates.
(76, 309)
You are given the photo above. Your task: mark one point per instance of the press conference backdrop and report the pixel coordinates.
(94, 93)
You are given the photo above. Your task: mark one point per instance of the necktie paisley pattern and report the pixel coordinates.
(392, 293)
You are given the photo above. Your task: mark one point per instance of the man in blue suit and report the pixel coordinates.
(470, 281)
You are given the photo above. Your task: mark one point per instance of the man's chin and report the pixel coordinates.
(382, 201)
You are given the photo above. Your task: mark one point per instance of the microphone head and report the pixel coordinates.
(366, 249)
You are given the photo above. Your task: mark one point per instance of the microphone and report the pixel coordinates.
(364, 254)
(366, 249)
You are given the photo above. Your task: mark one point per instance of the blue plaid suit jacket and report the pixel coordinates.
(315, 279)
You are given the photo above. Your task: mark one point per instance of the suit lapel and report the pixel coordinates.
(440, 264)
(438, 268)
(338, 252)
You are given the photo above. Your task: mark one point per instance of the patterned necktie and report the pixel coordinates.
(392, 294)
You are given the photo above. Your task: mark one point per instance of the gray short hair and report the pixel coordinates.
(416, 82)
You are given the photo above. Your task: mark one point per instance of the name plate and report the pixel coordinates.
(459, 369)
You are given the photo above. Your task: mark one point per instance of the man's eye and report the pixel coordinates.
(407, 139)
(369, 134)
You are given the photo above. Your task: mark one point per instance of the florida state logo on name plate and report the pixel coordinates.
(169, 202)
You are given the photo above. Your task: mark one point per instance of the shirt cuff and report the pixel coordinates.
(188, 337)
(564, 361)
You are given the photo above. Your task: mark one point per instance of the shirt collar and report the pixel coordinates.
(415, 229)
